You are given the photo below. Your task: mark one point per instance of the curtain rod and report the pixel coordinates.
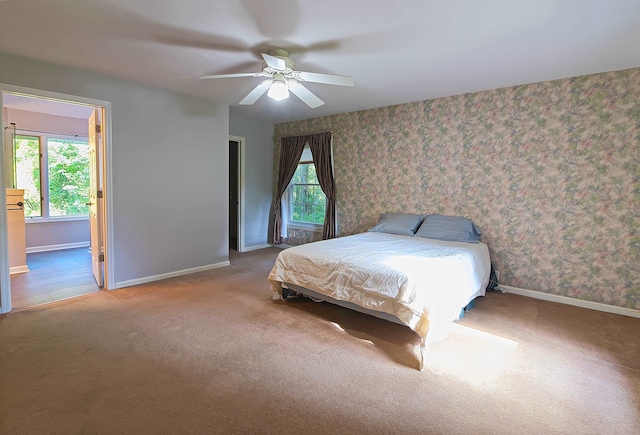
(309, 134)
(46, 132)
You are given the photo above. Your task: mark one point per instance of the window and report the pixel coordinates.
(27, 172)
(54, 174)
(307, 201)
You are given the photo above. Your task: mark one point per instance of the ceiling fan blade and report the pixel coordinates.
(226, 76)
(257, 92)
(327, 79)
(305, 94)
(274, 62)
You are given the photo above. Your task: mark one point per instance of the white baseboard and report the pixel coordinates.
(18, 269)
(572, 301)
(147, 279)
(57, 247)
(255, 247)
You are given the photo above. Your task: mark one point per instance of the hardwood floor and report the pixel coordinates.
(53, 276)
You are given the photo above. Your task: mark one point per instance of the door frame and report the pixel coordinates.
(241, 187)
(107, 221)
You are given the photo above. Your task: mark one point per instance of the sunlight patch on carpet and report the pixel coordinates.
(483, 336)
(480, 359)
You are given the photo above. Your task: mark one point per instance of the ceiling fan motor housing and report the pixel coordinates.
(284, 55)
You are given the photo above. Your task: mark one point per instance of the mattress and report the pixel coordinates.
(424, 283)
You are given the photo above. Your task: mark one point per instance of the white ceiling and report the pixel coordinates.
(396, 51)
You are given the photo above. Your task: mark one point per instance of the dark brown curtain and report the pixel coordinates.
(290, 152)
(320, 145)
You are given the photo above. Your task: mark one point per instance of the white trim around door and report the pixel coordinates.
(241, 188)
(5, 281)
(5, 278)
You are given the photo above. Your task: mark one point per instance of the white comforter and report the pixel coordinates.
(423, 282)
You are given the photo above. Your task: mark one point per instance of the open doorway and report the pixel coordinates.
(236, 193)
(48, 161)
(234, 202)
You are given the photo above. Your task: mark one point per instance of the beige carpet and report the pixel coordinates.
(213, 353)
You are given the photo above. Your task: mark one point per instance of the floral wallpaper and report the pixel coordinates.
(550, 172)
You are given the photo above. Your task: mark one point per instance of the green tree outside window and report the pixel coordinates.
(308, 201)
(68, 178)
(67, 167)
(27, 172)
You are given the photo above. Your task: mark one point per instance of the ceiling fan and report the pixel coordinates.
(281, 77)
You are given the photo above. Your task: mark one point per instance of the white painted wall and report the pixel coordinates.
(43, 235)
(169, 169)
(258, 177)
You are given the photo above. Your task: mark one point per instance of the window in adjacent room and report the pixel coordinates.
(27, 172)
(54, 174)
(307, 201)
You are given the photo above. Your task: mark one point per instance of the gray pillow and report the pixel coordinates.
(403, 224)
(452, 228)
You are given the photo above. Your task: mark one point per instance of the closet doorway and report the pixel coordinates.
(236, 193)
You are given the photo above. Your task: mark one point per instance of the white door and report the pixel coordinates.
(95, 198)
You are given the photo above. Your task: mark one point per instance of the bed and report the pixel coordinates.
(417, 281)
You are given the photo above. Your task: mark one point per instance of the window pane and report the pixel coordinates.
(308, 201)
(68, 177)
(27, 172)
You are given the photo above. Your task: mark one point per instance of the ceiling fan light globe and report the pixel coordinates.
(278, 91)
